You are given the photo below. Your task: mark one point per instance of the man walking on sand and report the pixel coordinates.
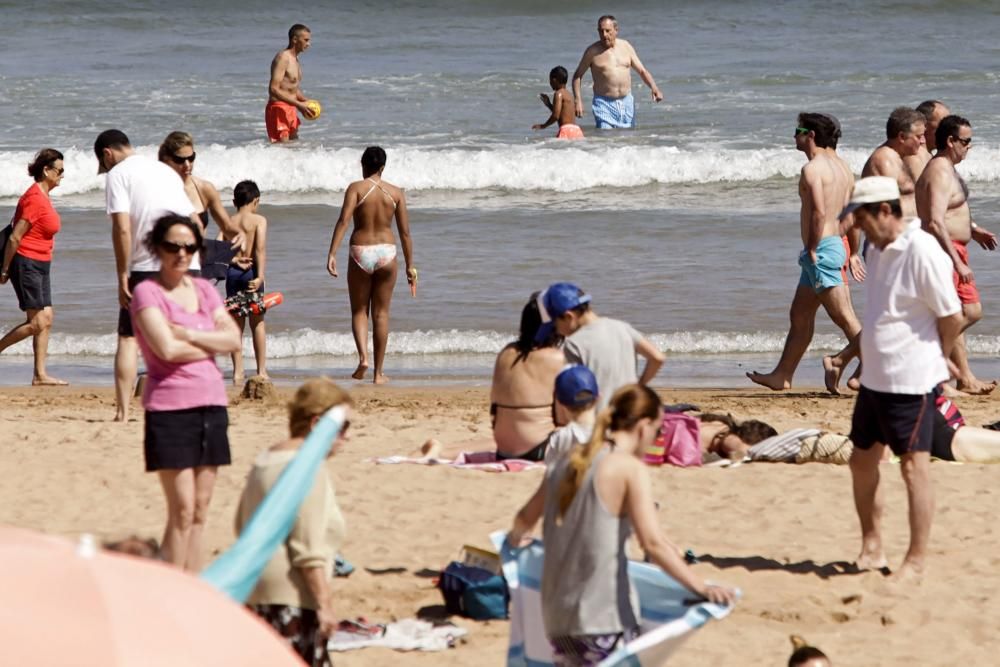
(610, 61)
(285, 96)
(912, 317)
(904, 138)
(943, 205)
(824, 188)
(139, 191)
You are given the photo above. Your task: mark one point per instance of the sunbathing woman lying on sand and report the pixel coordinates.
(953, 440)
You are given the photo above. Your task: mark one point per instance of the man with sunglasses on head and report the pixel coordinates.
(138, 191)
(824, 188)
(943, 206)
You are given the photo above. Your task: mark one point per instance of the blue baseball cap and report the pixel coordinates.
(553, 302)
(576, 386)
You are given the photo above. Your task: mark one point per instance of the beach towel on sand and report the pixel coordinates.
(486, 461)
(668, 613)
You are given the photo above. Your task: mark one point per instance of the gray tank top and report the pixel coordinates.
(585, 585)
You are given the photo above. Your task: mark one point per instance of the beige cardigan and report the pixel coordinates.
(314, 541)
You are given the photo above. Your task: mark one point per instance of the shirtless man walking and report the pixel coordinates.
(933, 111)
(904, 138)
(609, 60)
(824, 188)
(943, 206)
(285, 97)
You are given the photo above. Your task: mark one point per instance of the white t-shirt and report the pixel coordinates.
(147, 190)
(908, 288)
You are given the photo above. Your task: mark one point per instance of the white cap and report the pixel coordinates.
(871, 190)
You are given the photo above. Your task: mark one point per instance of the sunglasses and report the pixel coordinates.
(174, 248)
(59, 171)
(964, 142)
(177, 159)
(799, 131)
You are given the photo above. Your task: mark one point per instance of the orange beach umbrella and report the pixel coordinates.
(68, 604)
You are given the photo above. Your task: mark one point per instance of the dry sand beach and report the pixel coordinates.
(776, 531)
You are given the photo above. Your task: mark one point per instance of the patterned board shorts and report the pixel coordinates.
(300, 627)
(585, 650)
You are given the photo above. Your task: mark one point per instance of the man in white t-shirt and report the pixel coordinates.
(912, 317)
(139, 191)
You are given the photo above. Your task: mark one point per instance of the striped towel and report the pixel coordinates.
(668, 614)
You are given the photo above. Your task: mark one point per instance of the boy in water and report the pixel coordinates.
(561, 106)
(606, 346)
(246, 273)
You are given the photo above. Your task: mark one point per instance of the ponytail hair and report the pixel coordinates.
(628, 405)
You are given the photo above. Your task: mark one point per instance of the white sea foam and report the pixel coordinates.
(310, 342)
(541, 166)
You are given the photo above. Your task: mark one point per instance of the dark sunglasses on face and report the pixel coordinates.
(177, 159)
(59, 171)
(174, 248)
(964, 142)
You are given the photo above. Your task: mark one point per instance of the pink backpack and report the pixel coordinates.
(678, 443)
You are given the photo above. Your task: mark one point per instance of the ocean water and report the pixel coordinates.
(687, 226)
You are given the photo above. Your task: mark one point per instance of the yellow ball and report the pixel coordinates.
(315, 107)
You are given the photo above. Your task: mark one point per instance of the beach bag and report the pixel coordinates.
(474, 592)
(678, 444)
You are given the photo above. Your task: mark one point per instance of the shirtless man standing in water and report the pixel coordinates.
(904, 139)
(285, 97)
(610, 60)
(824, 188)
(943, 206)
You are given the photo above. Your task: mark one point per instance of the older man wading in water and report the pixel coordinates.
(609, 60)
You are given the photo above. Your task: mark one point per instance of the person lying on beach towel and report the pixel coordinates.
(954, 440)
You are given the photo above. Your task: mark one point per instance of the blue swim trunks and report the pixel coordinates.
(238, 280)
(826, 272)
(614, 112)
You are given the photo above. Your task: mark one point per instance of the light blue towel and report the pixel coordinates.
(236, 571)
(667, 610)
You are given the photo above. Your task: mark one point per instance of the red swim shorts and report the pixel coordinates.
(569, 132)
(847, 262)
(967, 292)
(282, 120)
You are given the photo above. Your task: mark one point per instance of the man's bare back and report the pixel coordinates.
(824, 187)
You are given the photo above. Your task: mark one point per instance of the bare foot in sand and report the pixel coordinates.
(977, 387)
(238, 380)
(263, 377)
(769, 381)
(360, 371)
(47, 381)
(908, 572)
(831, 375)
(950, 392)
(871, 561)
(381, 378)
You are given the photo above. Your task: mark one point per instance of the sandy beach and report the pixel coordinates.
(776, 531)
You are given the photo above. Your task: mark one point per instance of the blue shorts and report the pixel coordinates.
(614, 112)
(238, 280)
(826, 272)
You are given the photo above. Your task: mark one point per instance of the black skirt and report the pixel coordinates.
(177, 439)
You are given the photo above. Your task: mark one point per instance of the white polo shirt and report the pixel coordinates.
(908, 288)
(147, 190)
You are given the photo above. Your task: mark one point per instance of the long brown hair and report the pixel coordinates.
(628, 405)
